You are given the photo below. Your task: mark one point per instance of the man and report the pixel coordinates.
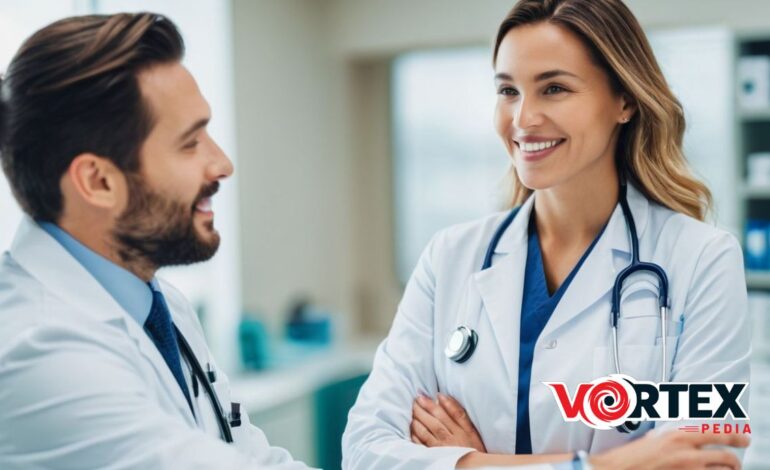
(104, 142)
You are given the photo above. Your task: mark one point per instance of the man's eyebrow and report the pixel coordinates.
(539, 77)
(200, 123)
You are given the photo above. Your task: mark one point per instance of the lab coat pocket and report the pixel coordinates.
(639, 322)
(639, 299)
(639, 362)
(674, 330)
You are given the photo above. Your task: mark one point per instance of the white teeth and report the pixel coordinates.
(537, 146)
(204, 205)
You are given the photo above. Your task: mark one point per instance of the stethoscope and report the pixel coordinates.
(463, 341)
(206, 378)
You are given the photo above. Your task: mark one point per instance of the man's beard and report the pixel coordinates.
(159, 231)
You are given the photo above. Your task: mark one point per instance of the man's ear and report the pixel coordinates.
(96, 180)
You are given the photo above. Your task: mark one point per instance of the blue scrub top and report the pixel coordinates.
(537, 305)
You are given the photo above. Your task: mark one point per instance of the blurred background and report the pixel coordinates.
(358, 128)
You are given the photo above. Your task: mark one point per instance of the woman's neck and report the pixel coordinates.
(577, 210)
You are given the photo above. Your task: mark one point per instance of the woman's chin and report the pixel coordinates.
(535, 180)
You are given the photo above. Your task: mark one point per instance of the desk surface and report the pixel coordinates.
(261, 391)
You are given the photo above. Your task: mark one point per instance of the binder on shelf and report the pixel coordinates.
(758, 166)
(754, 82)
(757, 253)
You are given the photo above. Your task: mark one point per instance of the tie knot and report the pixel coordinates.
(160, 316)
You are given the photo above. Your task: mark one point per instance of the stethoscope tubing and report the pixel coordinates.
(224, 426)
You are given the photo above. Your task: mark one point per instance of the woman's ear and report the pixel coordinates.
(628, 108)
(95, 180)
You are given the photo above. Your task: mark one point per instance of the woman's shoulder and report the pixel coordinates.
(471, 233)
(687, 234)
(459, 249)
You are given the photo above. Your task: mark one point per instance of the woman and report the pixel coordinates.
(590, 125)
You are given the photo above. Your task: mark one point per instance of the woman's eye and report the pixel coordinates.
(553, 89)
(508, 91)
(191, 145)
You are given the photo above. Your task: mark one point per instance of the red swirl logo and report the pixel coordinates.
(609, 401)
(602, 404)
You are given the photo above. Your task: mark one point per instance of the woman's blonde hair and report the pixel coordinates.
(649, 152)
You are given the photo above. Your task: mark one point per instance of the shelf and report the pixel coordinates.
(261, 391)
(753, 115)
(755, 192)
(758, 279)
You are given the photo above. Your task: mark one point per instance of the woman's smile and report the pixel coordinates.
(534, 149)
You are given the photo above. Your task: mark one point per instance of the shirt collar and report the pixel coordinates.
(130, 292)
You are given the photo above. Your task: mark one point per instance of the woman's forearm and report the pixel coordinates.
(479, 459)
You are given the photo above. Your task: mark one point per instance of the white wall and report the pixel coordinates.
(17, 22)
(294, 170)
(383, 27)
(312, 81)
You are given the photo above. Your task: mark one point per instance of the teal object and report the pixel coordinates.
(309, 324)
(332, 404)
(253, 340)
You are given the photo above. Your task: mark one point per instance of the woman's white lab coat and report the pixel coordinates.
(708, 327)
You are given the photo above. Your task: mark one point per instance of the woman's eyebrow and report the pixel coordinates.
(541, 76)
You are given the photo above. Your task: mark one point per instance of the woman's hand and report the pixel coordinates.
(443, 424)
(654, 451)
(673, 449)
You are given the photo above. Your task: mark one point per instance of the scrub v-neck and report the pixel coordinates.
(537, 306)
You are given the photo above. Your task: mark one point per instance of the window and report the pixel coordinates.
(449, 163)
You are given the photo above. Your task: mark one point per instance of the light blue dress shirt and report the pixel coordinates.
(130, 292)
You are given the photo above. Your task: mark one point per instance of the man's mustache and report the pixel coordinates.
(207, 191)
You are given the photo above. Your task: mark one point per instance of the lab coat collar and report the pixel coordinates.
(61, 274)
(637, 202)
(611, 254)
(501, 286)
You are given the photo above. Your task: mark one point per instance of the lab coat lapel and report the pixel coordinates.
(500, 288)
(46, 260)
(148, 348)
(183, 317)
(597, 275)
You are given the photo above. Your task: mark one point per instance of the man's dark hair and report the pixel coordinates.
(72, 88)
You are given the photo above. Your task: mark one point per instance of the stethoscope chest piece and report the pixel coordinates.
(462, 342)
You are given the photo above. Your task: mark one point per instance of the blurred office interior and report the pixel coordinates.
(358, 128)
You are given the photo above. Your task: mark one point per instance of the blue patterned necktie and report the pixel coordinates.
(160, 329)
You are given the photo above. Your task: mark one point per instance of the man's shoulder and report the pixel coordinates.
(29, 310)
(21, 295)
